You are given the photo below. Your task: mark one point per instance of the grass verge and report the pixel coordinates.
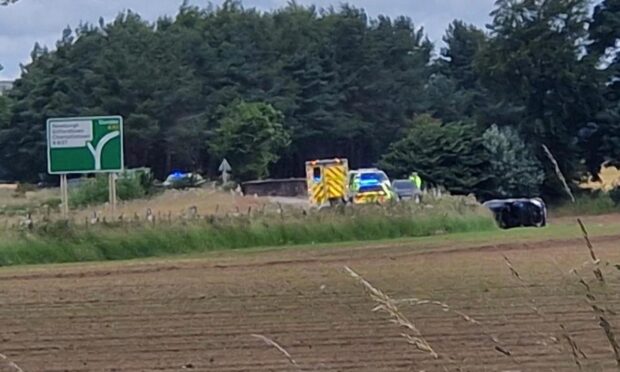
(60, 243)
(587, 205)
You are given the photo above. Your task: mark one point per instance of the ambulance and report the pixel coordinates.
(327, 181)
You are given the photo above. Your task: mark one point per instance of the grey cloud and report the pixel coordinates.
(28, 21)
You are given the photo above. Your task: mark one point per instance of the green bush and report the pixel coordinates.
(146, 180)
(95, 190)
(594, 203)
(128, 189)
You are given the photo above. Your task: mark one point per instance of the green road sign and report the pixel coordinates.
(85, 145)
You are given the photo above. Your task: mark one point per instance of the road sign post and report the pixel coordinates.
(225, 169)
(112, 192)
(85, 145)
(64, 196)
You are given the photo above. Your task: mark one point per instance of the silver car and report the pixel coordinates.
(406, 190)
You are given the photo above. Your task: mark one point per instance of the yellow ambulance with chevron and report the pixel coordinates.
(331, 182)
(327, 181)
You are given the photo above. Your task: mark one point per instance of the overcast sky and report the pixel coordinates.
(28, 21)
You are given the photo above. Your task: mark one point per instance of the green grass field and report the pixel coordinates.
(60, 241)
(449, 221)
(429, 233)
(565, 229)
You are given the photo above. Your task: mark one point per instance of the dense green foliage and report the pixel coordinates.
(594, 203)
(335, 83)
(250, 135)
(5, 112)
(602, 136)
(451, 154)
(95, 190)
(516, 171)
(533, 63)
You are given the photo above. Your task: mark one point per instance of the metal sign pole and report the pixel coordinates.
(115, 198)
(64, 195)
(112, 191)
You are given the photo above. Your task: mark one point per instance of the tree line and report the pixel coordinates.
(270, 90)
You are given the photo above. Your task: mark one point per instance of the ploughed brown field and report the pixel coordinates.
(201, 313)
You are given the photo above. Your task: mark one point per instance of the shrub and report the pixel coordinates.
(95, 190)
(147, 181)
(587, 204)
(131, 188)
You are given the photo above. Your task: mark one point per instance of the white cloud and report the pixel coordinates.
(29, 21)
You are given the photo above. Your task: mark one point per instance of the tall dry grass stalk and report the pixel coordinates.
(611, 337)
(386, 304)
(576, 352)
(558, 172)
(446, 308)
(595, 261)
(278, 347)
(597, 272)
(599, 310)
(5, 361)
(525, 285)
(602, 313)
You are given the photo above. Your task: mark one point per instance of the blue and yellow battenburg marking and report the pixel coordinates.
(327, 180)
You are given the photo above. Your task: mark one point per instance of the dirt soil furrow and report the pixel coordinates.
(203, 313)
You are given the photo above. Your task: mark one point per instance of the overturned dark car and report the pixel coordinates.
(524, 212)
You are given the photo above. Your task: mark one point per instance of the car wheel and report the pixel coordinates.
(543, 223)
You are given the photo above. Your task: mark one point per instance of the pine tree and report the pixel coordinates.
(533, 63)
(451, 155)
(601, 137)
